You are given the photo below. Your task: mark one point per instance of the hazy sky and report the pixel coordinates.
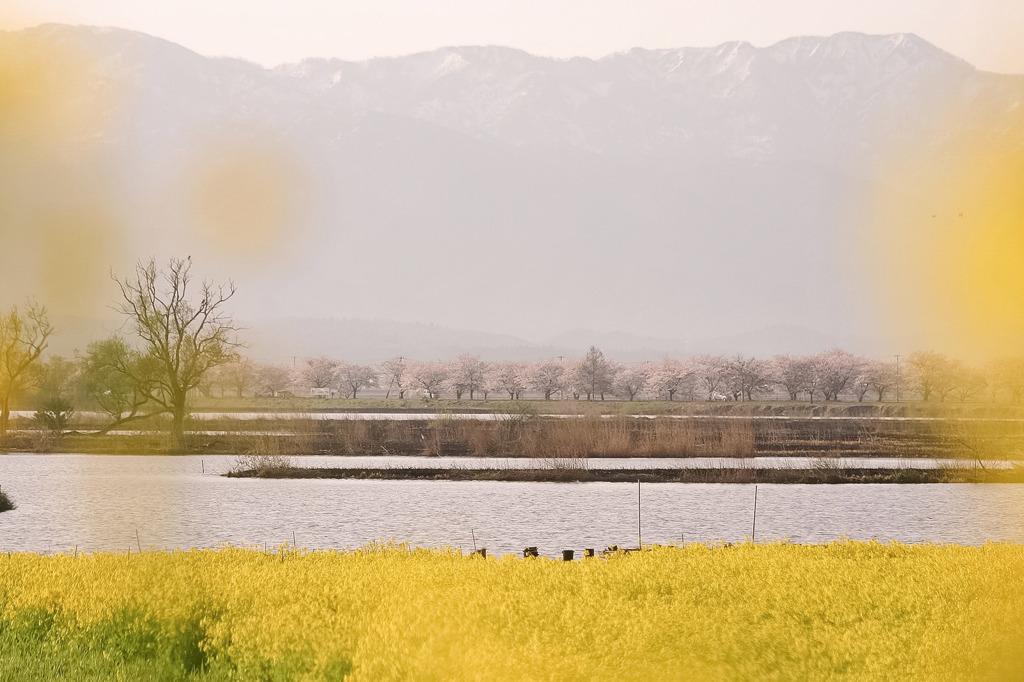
(984, 32)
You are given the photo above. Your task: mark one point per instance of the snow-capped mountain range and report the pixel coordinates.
(684, 193)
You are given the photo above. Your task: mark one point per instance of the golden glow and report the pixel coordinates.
(242, 196)
(949, 239)
(58, 219)
(77, 251)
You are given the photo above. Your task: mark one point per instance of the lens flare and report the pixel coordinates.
(58, 209)
(242, 196)
(949, 238)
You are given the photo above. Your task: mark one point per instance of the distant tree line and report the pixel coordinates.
(180, 343)
(834, 375)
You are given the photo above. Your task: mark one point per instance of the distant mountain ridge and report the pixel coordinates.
(654, 101)
(668, 194)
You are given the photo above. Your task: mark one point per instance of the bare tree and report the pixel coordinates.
(794, 374)
(238, 376)
(320, 372)
(392, 372)
(710, 373)
(467, 375)
(969, 382)
(353, 378)
(835, 371)
(931, 373)
(630, 381)
(547, 377)
(746, 375)
(880, 377)
(511, 377)
(272, 379)
(23, 338)
(430, 376)
(185, 339)
(1007, 374)
(670, 377)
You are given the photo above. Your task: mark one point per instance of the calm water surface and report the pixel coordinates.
(99, 502)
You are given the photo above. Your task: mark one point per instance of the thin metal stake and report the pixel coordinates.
(474, 538)
(639, 533)
(293, 539)
(753, 525)
(137, 542)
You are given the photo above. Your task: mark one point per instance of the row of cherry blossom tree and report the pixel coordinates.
(830, 376)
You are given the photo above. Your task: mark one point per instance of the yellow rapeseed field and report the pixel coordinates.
(846, 610)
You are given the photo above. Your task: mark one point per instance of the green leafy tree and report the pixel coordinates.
(120, 380)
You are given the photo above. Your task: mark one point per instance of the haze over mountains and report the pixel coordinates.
(672, 200)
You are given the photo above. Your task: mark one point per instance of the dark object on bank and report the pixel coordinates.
(6, 503)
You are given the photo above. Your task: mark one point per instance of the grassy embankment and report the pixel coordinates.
(858, 611)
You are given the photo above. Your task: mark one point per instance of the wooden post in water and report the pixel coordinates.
(753, 525)
(203, 464)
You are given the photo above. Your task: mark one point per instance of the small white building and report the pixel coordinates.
(321, 393)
